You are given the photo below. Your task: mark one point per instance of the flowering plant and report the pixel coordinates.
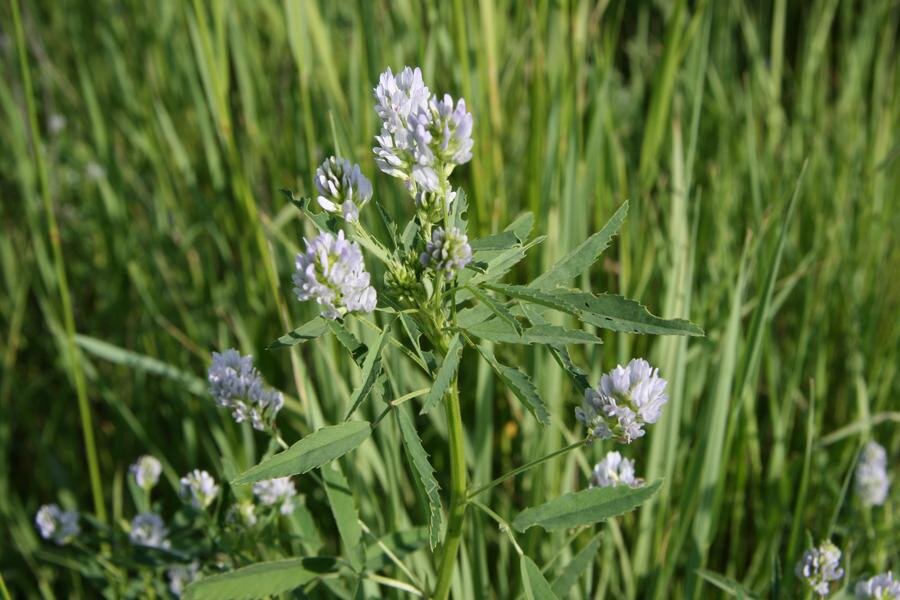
(441, 295)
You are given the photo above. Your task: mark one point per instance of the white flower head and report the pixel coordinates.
(820, 566)
(57, 524)
(234, 383)
(627, 399)
(146, 471)
(56, 123)
(148, 529)
(872, 481)
(614, 470)
(332, 273)
(276, 492)
(880, 587)
(199, 488)
(422, 136)
(342, 187)
(180, 576)
(448, 251)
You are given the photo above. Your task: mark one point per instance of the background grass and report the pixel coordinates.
(166, 128)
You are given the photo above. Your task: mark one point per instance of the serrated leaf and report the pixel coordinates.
(496, 241)
(408, 238)
(584, 507)
(519, 384)
(260, 580)
(371, 370)
(316, 449)
(607, 311)
(346, 515)
(497, 308)
(496, 330)
(306, 332)
(533, 582)
(522, 226)
(444, 375)
(579, 260)
(389, 224)
(560, 354)
(473, 315)
(418, 460)
(458, 211)
(323, 221)
(575, 567)
(357, 349)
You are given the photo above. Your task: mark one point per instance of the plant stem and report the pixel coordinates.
(73, 355)
(458, 497)
(526, 466)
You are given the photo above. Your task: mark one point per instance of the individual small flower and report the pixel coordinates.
(276, 492)
(95, 171)
(879, 587)
(627, 399)
(57, 524)
(332, 273)
(820, 566)
(236, 384)
(872, 482)
(148, 529)
(199, 488)
(448, 251)
(342, 188)
(180, 576)
(244, 513)
(56, 123)
(146, 471)
(613, 471)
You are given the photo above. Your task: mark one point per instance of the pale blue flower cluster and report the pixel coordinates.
(448, 251)
(244, 513)
(820, 566)
(278, 492)
(880, 587)
(332, 273)
(614, 470)
(423, 137)
(343, 189)
(235, 384)
(872, 482)
(199, 488)
(148, 529)
(180, 576)
(627, 399)
(57, 524)
(146, 471)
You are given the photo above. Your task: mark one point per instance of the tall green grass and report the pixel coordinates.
(116, 285)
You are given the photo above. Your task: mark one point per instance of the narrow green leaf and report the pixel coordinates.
(607, 311)
(357, 349)
(400, 543)
(519, 384)
(306, 332)
(575, 567)
(323, 221)
(316, 449)
(533, 581)
(726, 584)
(371, 370)
(260, 580)
(496, 330)
(444, 375)
(584, 507)
(142, 362)
(560, 354)
(497, 308)
(346, 515)
(418, 460)
(522, 226)
(583, 256)
(497, 241)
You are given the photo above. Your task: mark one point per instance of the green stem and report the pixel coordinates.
(525, 467)
(72, 354)
(458, 497)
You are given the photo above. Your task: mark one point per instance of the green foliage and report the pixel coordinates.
(584, 507)
(260, 580)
